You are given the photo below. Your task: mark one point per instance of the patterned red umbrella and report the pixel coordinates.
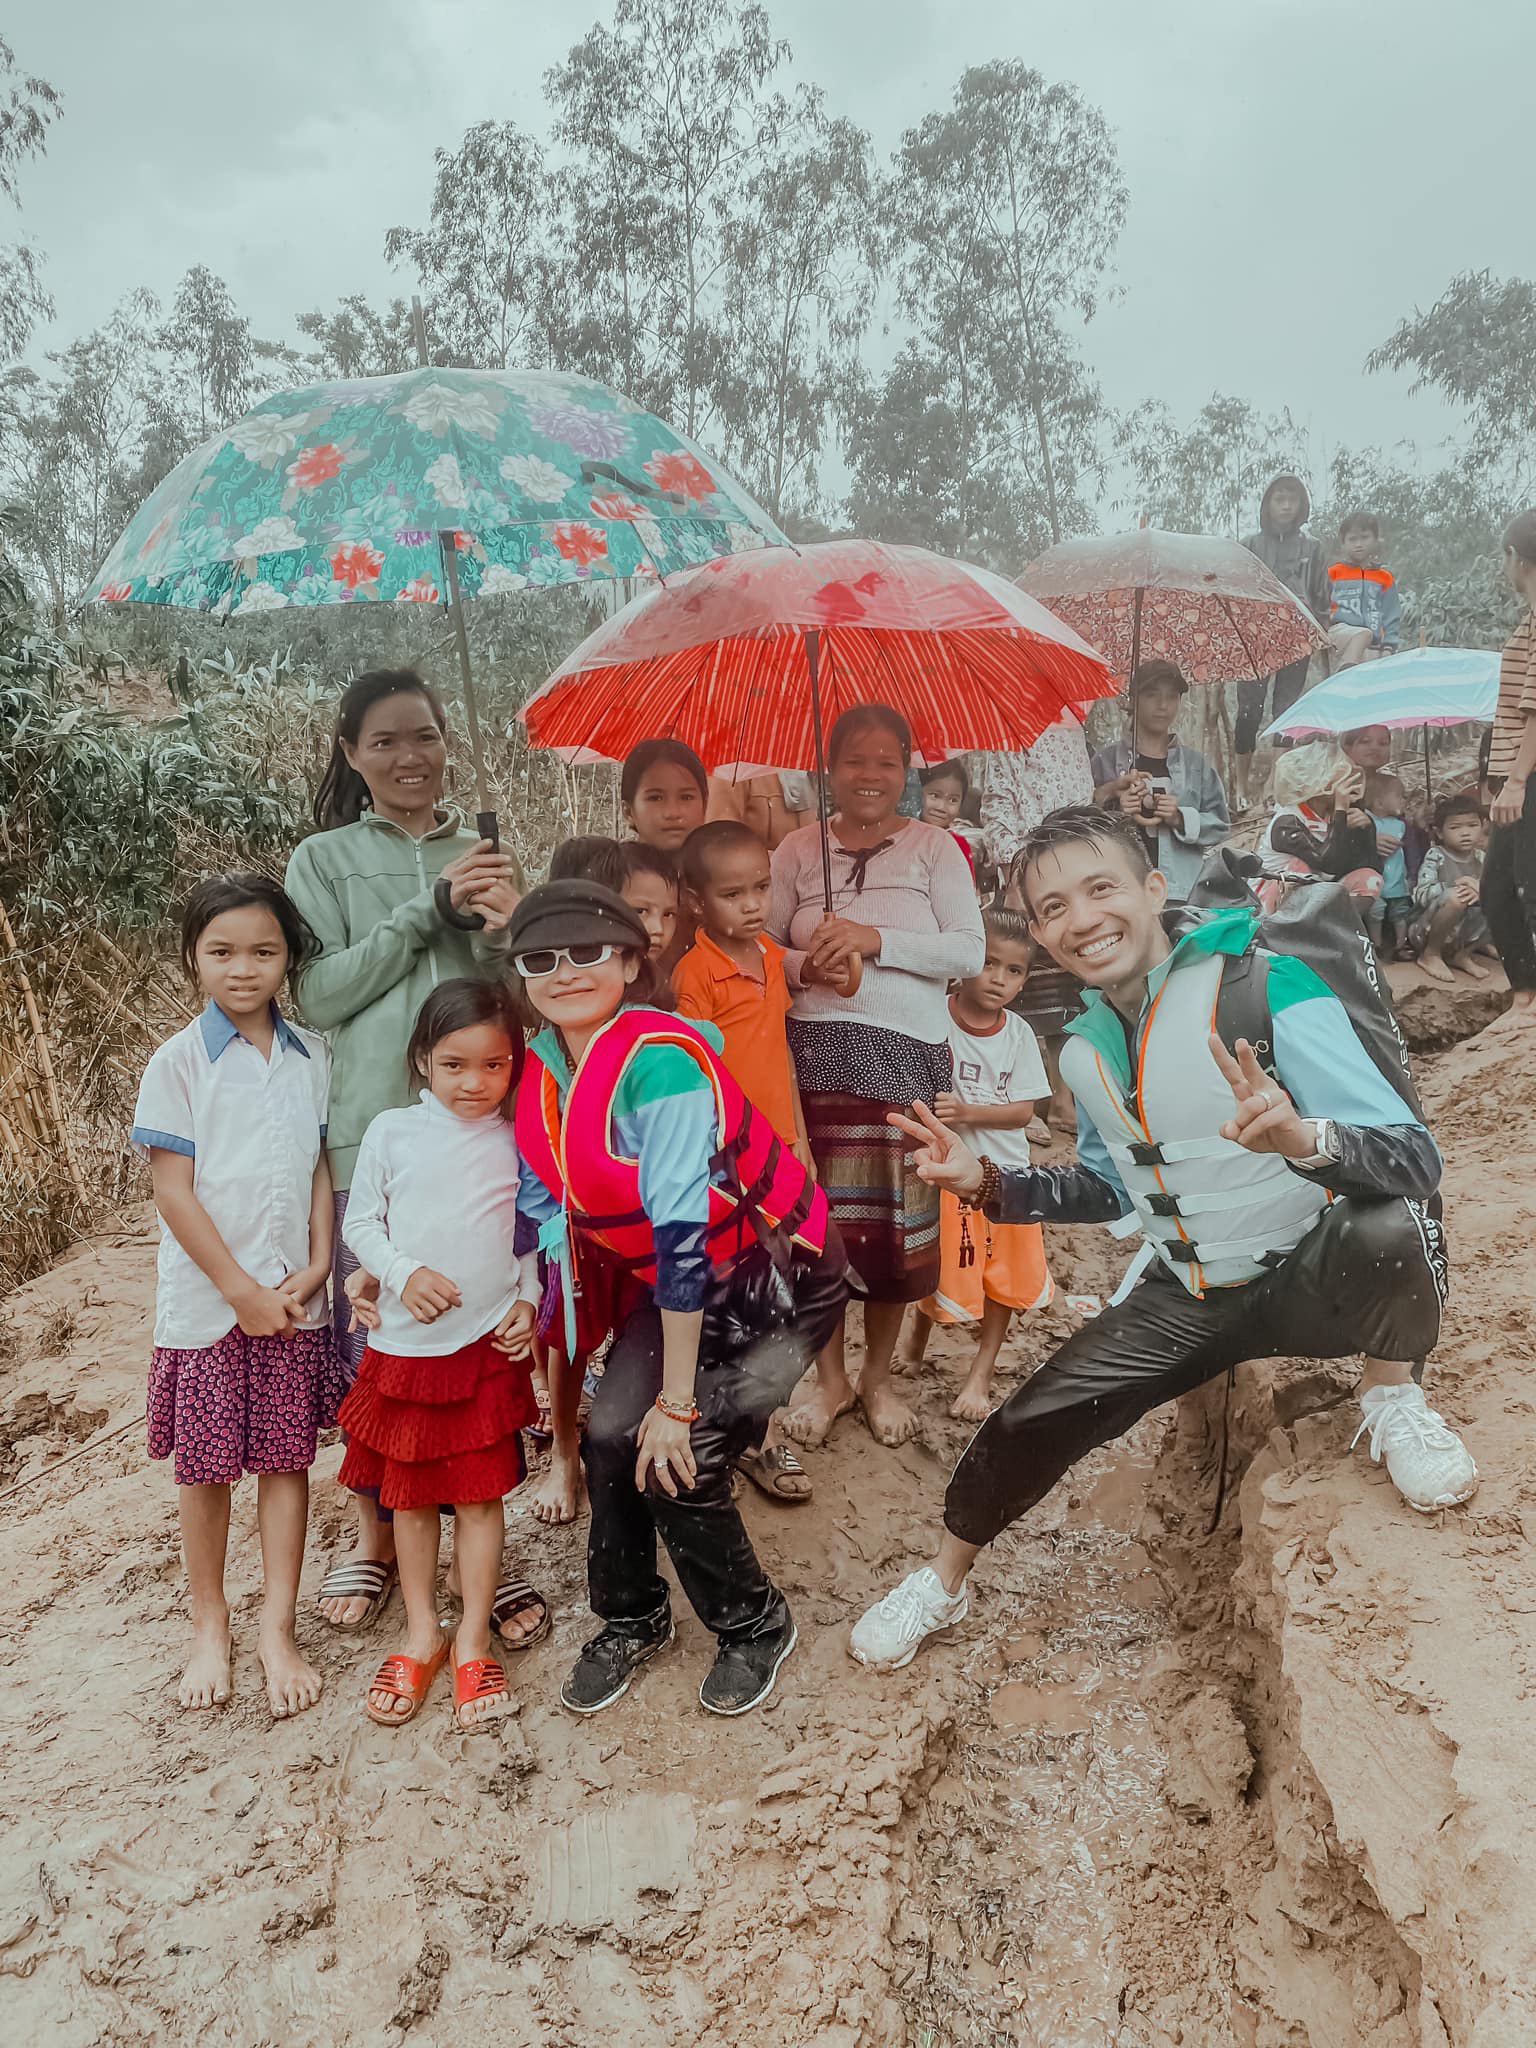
(1207, 604)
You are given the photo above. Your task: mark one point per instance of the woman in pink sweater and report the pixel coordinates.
(904, 901)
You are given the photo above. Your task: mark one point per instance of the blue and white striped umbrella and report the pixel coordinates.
(1424, 686)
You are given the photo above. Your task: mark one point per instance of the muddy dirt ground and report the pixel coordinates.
(1264, 1788)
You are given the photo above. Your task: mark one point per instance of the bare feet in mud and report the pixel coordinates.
(292, 1682)
(206, 1682)
(810, 1421)
(973, 1403)
(493, 1705)
(1468, 964)
(556, 1499)
(891, 1421)
(1436, 968)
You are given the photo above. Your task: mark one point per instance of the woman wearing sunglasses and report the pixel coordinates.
(638, 1148)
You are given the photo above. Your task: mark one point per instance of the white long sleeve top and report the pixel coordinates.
(434, 1189)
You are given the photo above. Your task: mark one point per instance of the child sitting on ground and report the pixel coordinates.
(1364, 610)
(733, 977)
(1449, 927)
(1369, 750)
(988, 1269)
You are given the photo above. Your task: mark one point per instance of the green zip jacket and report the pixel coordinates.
(366, 891)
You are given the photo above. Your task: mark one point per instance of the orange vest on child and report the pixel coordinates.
(768, 1189)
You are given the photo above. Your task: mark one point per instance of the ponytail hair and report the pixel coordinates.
(343, 795)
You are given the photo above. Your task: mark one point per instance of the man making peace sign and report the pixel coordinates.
(1284, 1192)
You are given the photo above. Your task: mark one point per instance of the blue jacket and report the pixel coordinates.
(1203, 818)
(1359, 596)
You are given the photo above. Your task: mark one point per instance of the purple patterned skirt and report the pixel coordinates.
(245, 1404)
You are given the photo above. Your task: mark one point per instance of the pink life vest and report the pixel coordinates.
(767, 1190)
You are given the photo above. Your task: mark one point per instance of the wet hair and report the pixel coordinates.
(636, 857)
(1151, 673)
(1081, 825)
(954, 770)
(870, 718)
(590, 859)
(1359, 522)
(640, 760)
(343, 795)
(1463, 803)
(1520, 534)
(460, 1005)
(721, 835)
(218, 893)
(1011, 926)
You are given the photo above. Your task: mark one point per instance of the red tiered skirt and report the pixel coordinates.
(431, 1431)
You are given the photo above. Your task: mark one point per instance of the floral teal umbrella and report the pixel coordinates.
(418, 488)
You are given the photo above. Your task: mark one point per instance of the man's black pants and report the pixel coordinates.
(1368, 1277)
(1289, 683)
(1509, 892)
(739, 1383)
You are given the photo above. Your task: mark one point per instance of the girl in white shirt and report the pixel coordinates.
(444, 1386)
(231, 1112)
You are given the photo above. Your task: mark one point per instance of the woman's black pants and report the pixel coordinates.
(1508, 893)
(1368, 1277)
(741, 1380)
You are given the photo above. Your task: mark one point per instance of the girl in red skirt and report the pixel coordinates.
(444, 1386)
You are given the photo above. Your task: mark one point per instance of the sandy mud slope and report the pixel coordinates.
(1263, 1789)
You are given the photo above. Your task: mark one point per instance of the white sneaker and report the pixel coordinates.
(1428, 1463)
(889, 1634)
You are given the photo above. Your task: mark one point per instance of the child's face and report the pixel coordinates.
(1285, 505)
(654, 900)
(1003, 974)
(1371, 748)
(733, 903)
(1358, 544)
(582, 998)
(1157, 708)
(470, 1071)
(942, 799)
(668, 806)
(241, 957)
(1462, 832)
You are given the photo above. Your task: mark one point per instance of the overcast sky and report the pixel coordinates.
(1301, 174)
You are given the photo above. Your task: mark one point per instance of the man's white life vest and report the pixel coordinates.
(1217, 1215)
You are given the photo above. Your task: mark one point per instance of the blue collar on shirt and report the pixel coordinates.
(219, 1034)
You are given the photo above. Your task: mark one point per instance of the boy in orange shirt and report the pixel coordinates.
(733, 977)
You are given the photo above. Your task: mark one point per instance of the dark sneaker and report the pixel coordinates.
(742, 1675)
(606, 1666)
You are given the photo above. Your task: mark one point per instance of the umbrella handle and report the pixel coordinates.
(442, 894)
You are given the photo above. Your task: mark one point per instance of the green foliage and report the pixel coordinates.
(1207, 477)
(1477, 346)
(28, 107)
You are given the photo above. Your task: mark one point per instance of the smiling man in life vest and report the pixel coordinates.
(1288, 1212)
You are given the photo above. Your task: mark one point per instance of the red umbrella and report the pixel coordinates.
(746, 658)
(1207, 604)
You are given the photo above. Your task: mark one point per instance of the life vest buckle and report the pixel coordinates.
(1146, 1155)
(1163, 1205)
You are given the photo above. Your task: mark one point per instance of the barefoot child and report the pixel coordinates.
(634, 1137)
(443, 1388)
(733, 977)
(989, 1269)
(232, 1113)
(1449, 927)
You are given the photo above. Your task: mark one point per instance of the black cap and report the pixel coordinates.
(574, 913)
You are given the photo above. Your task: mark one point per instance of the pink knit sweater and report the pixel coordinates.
(919, 895)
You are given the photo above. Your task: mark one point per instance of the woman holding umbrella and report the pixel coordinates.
(905, 904)
(368, 883)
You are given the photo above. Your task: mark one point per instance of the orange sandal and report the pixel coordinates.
(476, 1679)
(404, 1678)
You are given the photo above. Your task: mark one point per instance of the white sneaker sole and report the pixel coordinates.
(1446, 1500)
(758, 1698)
(900, 1663)
(618, 1693)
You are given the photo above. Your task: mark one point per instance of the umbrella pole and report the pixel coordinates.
(485, 820)
(1135, 636)
(1428, 791)
(813, 663)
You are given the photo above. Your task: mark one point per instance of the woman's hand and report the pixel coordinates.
(1265, 1119)
(665, 1447)
(496, 905)
(1356, 817)
(835, 941)
(514, 1333)
(1509, 805)
(428, 1295)
(262, 1311)
(939, 1156)
(362, 1291)
(476, 871)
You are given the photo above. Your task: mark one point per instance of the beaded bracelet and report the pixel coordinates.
(991, 1185)
(674, 1412)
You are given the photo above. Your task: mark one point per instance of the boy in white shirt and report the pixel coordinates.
(989, 1270)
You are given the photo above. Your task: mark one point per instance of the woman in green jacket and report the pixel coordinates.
(366, 883)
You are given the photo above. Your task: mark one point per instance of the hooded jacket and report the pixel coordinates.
(1294, 556)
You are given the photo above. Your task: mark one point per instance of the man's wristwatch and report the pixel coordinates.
(1328, 1151)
